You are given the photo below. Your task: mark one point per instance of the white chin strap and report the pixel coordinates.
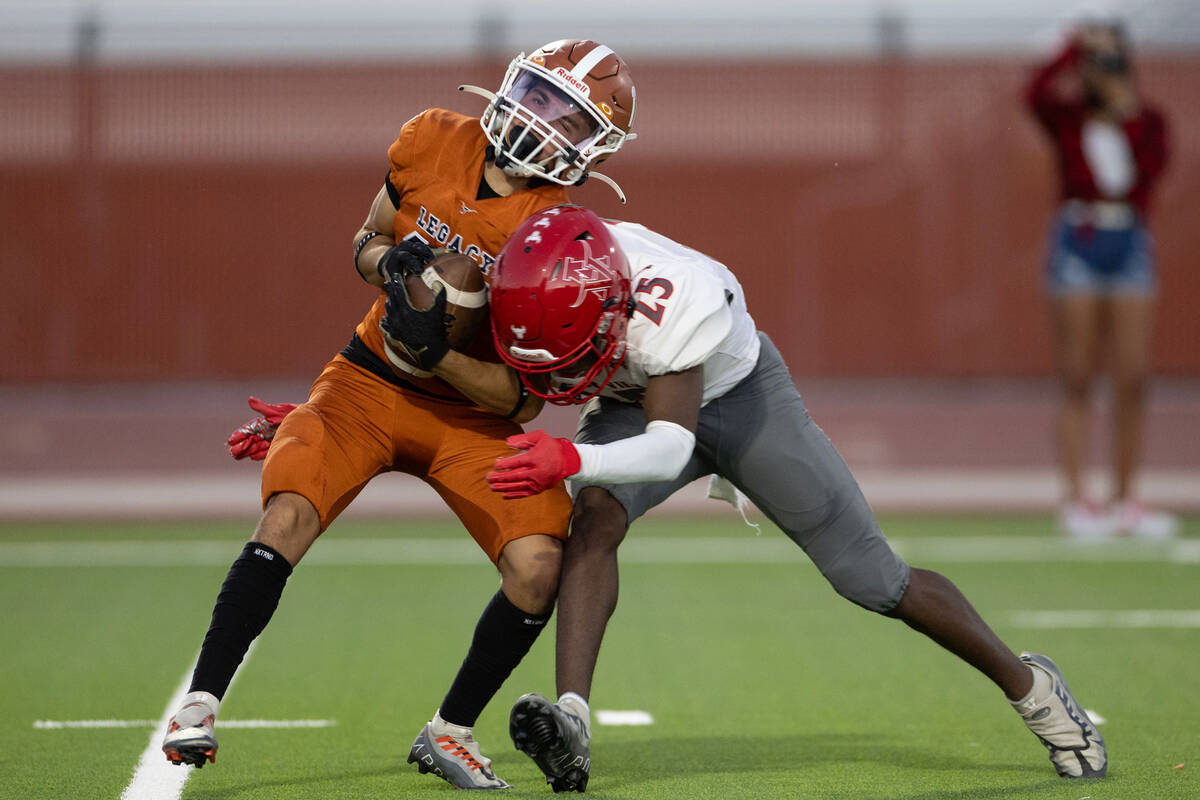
(490, 96)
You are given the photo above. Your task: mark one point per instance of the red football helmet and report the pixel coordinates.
(560, 301)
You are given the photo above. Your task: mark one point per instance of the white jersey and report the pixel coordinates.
(690, 310)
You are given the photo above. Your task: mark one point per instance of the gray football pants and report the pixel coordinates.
(759, 435)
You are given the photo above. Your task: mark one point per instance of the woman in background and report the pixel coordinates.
(1111, 148)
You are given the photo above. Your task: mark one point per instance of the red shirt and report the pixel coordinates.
(1063, 119)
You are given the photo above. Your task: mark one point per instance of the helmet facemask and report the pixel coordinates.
(553, 119)
(582, 373)
(543, 127)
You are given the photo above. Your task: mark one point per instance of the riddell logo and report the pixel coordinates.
(571, 79)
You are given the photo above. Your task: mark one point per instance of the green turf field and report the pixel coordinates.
(761, 682)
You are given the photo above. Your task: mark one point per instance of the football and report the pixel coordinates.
(466, 301)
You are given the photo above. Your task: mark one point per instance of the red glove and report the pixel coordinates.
(253, 439)
(543, 462)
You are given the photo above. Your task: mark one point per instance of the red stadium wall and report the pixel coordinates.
(886, 218)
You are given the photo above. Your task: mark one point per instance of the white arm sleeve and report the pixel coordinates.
(659, 454)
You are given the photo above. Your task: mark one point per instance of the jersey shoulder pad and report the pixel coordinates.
(681, 317)
(430, 132)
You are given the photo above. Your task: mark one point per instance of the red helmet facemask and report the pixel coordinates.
(559, 297)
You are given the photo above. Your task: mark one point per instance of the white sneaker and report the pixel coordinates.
(190, 738)
(451, 753)
(1084, 522)
(1076, 747)
(1132, 518)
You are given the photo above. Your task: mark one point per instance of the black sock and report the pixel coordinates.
(502, 638)
(245, 604)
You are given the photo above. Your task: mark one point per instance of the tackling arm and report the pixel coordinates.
(672, 406)
(379, 222)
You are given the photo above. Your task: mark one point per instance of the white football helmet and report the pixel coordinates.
(560, 111)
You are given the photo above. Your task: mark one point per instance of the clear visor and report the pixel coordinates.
(570, 118)
(543, 126)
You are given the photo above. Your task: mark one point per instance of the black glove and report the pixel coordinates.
(406, 257)
(419, 334)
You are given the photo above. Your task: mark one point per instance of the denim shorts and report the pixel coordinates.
(1105, 261)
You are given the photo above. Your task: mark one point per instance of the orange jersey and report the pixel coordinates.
(436, 169)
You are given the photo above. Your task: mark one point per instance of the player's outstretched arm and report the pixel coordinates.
(375, 238)
(672, 406)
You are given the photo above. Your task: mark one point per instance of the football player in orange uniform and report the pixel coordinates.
(464, 184)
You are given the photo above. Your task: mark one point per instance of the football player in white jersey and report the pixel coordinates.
(678, 383)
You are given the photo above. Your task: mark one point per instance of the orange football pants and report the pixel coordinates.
(356, 426)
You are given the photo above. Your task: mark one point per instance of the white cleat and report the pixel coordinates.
(451, 753)
(1076, 747)
(1132, 518)
(190, 738)
(1083, 522)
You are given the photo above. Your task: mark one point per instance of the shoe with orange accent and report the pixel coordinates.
(556, 739)
(190, 738)
(451, 753)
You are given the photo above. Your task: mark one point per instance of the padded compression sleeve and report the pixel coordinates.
(659, 454)
(244, 606)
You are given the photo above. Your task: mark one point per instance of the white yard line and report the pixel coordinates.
(155, 778)
(222, 496)
(769, 548)
(624, 718)
(53, 724)
(1108, 619)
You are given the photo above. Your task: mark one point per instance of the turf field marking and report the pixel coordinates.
(174, 494)
(52, 724)
(624, 718)
(1094, 717)
(453, 551)
(1129, 618)
(155, 778)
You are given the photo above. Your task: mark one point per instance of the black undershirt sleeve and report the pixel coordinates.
(393, 192)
